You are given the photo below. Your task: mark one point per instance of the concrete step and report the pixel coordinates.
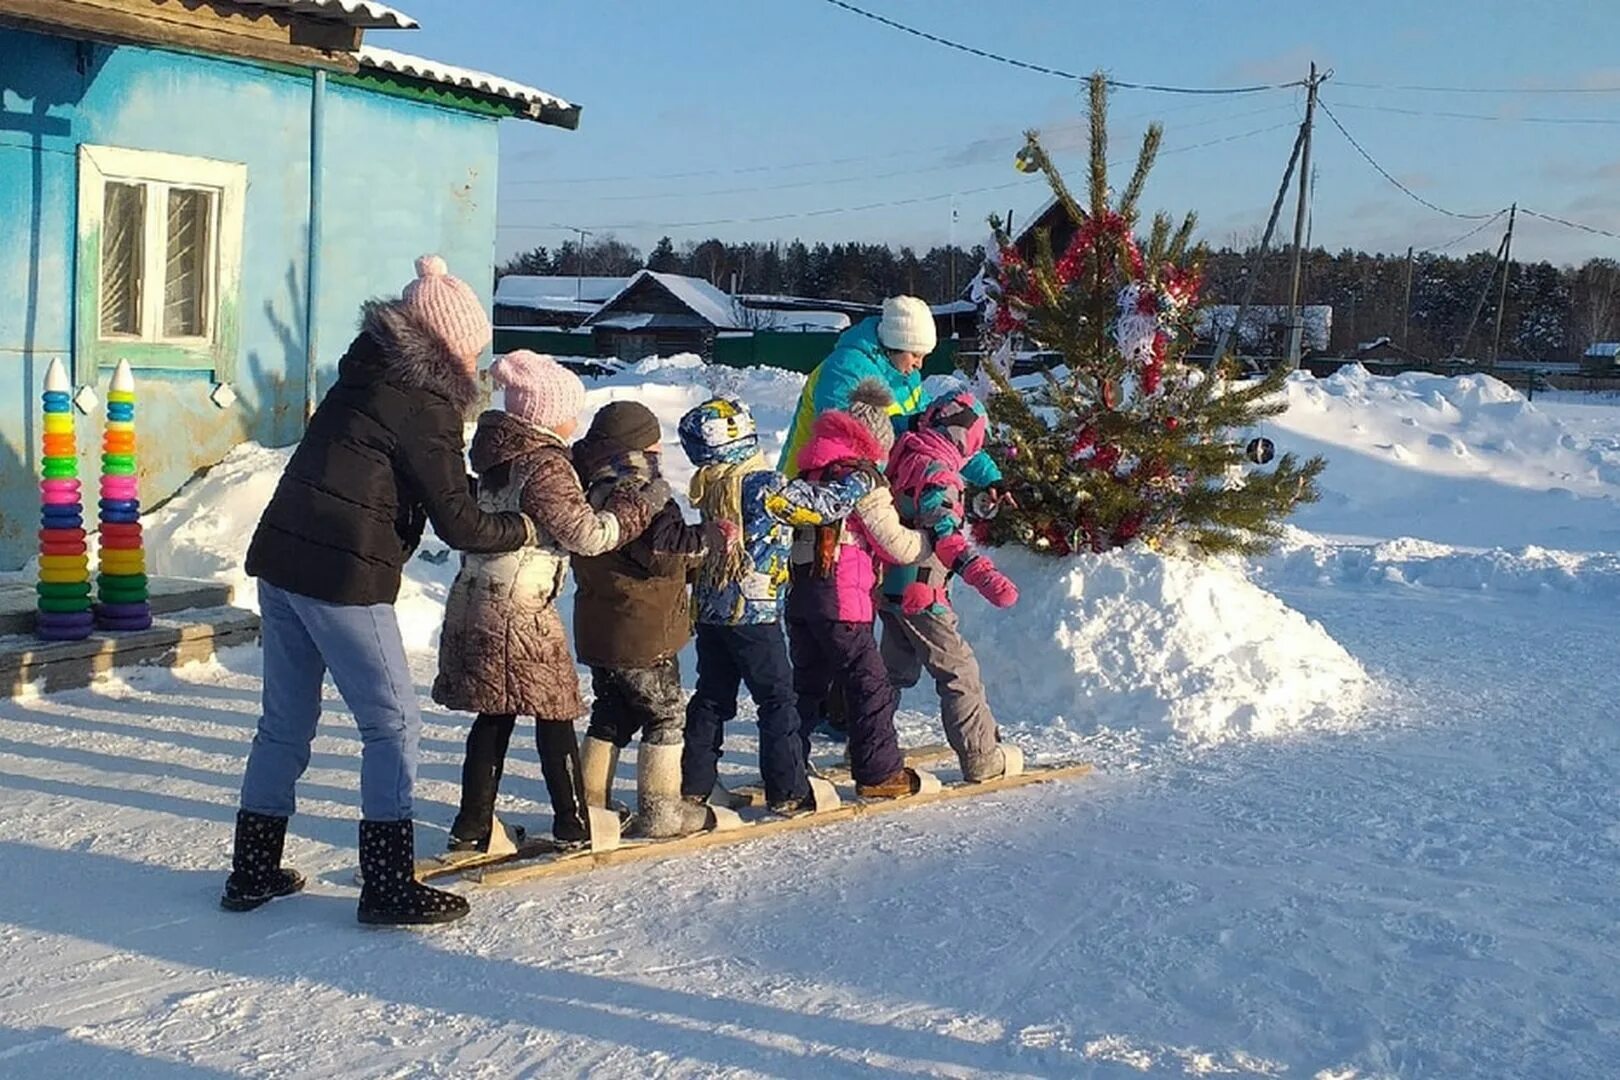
(168, 596)
(174, 639)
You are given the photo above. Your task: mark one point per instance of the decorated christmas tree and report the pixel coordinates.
(1120, 438)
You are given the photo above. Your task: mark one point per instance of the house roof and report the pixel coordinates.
(702, 299)
(544, 292)
(542, 106)
(365, 14)
(1604, 348)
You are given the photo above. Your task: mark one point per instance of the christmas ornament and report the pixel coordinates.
(121, 584)
(1027, 161)
(1235, 478)
(1260, 450)
(64, 561)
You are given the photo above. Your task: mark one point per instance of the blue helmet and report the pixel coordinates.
(719, 431)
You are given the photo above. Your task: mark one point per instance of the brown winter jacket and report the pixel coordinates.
(503, 648)
(631, 608)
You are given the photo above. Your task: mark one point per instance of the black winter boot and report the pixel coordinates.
(565, 781)
(257, 875)
(391, 895)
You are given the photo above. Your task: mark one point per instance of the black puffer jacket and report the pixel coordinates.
(383, 455)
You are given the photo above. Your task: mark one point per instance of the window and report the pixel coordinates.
(160, 242)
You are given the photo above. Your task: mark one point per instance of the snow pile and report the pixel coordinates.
(1305, 559)
(1464, 460)
(1165, 648)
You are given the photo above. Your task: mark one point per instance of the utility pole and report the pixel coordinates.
(579, 261)
(1227, 332)
(1296, 327)
(1406, 304)
(1501, 297)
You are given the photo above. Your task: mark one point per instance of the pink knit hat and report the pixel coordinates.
(538, 389)
(447, 307)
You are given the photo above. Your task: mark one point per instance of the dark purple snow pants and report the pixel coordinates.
(828, 653)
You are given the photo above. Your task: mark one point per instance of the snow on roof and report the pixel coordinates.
(1604, 348)
(771, 319)
(542, 291)
(709, 303)
(364, 14)
(542, 105)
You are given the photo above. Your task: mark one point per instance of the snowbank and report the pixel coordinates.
(1464, 461)
(1164, 648)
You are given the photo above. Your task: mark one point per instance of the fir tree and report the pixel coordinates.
(1124, 440)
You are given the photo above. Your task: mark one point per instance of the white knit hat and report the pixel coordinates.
(907, 326)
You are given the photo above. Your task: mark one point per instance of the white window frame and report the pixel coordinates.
(158, 173)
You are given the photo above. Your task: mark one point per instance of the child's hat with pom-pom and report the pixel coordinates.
(870, 403)
(538, 389)
(446, 307)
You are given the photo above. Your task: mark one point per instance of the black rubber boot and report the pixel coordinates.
(391, 895)
(565, 781)
(481, 770)
(257, 875)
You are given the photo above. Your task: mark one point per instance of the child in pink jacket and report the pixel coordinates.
(835, 573)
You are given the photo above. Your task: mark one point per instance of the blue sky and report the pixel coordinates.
(795, 107)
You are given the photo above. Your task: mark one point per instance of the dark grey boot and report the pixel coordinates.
(257, 875)
(391, 895)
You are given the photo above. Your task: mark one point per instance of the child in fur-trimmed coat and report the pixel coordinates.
(835, 574)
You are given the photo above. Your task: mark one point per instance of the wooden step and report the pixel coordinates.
(167, 596)
(173, 640)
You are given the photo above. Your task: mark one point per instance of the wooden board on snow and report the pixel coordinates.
(918, 757)
(637, 851)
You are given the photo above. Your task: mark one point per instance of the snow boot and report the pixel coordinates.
(662, 811)
(1005, 760)
(598, 764)
(257, 875)
(899, 785)
(390, 894)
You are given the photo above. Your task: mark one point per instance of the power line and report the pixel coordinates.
(1485, 89)
(1475, 231)
(858, 177)
(1599, 120)
(830, 211)
(1414, 196)
(1043, 70)
(1571, 224)
(863, 159)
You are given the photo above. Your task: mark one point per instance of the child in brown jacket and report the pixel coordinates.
(503, 651)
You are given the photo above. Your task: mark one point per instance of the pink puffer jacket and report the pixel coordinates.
(871, 536)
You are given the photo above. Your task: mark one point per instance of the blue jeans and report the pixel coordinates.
(303, 639)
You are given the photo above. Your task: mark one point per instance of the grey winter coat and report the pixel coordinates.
(503, 648)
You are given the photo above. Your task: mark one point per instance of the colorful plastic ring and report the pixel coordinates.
(67, 618)
(68, 548)
(62, 589)
(124, 611)
(62, 483)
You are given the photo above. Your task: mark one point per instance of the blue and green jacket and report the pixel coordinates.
(857, 356)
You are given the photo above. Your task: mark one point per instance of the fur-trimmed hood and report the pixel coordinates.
(403, 351)
(501, 437)
(838, 436)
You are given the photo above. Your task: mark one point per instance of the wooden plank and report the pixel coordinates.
(205, 26)
(167, 596)
(917, 757)
(658, 849)
(53, 666)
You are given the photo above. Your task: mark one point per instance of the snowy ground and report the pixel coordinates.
(1416, 881)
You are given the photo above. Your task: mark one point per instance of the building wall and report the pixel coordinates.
(400, 178)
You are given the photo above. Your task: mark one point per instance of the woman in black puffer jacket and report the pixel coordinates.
(382, 457)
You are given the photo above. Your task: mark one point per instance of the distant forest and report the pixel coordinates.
(1551, 313)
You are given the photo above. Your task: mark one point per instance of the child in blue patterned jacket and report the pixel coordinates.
(737, 598)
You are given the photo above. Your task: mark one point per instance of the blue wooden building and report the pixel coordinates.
(210, 189)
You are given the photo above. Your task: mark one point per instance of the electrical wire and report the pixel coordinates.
(1043, 70)
(1597, 120)
(1475, 231)
(829, 211)
(1414, 196)
(1484, 89)
(1570, 224)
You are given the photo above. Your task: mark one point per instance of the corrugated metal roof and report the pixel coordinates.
(542, 105)
(362, 13)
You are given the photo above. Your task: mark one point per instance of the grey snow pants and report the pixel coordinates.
(932, 640)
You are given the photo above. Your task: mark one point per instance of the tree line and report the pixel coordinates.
(1448, 309)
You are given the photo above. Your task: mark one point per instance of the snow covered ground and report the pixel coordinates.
(1403, 864)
